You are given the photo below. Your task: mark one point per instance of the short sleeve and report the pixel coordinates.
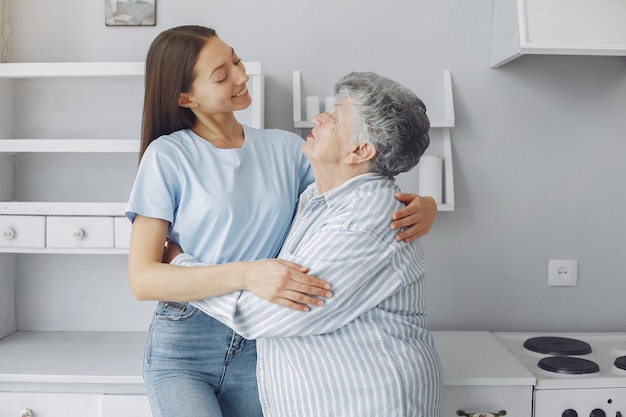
(156, 189)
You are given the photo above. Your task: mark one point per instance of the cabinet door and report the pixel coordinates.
(49, 405)
(22, 232)
(79, 232)
(487, 399)
(125, 406)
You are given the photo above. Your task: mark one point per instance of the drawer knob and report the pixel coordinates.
(79, 234)
(9, 234)
(481, 414)
(27, 412)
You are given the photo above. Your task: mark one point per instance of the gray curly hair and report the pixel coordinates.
(389, 116)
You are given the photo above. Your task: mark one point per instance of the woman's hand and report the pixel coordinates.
(286, 284)
(275, 280)
(418, 216)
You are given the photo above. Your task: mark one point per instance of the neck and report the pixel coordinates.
(327, 179)
(222, 131)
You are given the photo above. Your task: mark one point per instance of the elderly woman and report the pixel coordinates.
(366, 352)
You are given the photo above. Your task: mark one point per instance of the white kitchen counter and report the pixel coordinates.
(468, 358)
(480, 375)
(478, 358)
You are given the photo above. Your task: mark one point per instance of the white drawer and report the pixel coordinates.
(22, 231)
(125, 406)
(122, 232)
(49, 405)
(79, 232)
(515, 400)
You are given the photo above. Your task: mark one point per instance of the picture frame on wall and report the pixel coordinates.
(130, 12)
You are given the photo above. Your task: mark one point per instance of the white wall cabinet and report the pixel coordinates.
(557, 27)
(71, 334)
(444, 125)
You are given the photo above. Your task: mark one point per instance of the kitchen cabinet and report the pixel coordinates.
(557, 27)
(481, 376)
(443, 125)
(71, 334)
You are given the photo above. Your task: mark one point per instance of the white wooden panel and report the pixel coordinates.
(515, 400)
(79, 232)
(49, 405)
(6, 108)
(78, 108)
(122, 232)
(576, 22)
(6, 177)
(22, 231)
(125, 406)
(8, 276)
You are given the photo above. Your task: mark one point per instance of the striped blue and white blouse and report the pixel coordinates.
(366, 352)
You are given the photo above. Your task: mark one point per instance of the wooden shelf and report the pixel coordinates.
(70, 69)
(101, 362)
(69, 145)
(37, 208)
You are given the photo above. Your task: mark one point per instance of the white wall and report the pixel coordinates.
(539, 147)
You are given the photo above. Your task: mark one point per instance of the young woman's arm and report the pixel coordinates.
(418, 216)
(277, 281)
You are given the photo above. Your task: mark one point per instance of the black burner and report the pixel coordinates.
(621, 362)
(557, 346)
(568, 365)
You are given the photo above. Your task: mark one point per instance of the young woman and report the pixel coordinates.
(225, 193)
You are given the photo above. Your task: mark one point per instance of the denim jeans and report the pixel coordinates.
(196, 366)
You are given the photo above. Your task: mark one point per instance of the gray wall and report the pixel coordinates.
(539, 145)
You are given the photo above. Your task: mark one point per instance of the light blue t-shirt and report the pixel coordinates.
(223, 205)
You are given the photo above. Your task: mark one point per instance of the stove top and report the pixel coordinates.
(570, 360)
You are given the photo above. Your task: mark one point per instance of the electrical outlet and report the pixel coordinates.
(562, 272)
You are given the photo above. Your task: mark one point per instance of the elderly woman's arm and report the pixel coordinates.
(361, 270)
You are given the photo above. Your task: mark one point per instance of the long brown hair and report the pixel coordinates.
(169, 72)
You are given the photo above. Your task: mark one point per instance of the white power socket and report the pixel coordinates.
(562, 272)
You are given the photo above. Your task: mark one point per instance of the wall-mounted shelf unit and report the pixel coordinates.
(445, 124)
(45, 124)
(71, 334)
(557, 27)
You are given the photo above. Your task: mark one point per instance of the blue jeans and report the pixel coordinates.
(196, 366)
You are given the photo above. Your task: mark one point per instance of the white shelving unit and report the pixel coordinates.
(445, 124)
(71, 334)
(19, 241)
(557, 27)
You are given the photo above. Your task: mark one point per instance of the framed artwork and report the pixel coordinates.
(130, 12)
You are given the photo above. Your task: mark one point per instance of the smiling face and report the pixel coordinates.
(220, 81)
